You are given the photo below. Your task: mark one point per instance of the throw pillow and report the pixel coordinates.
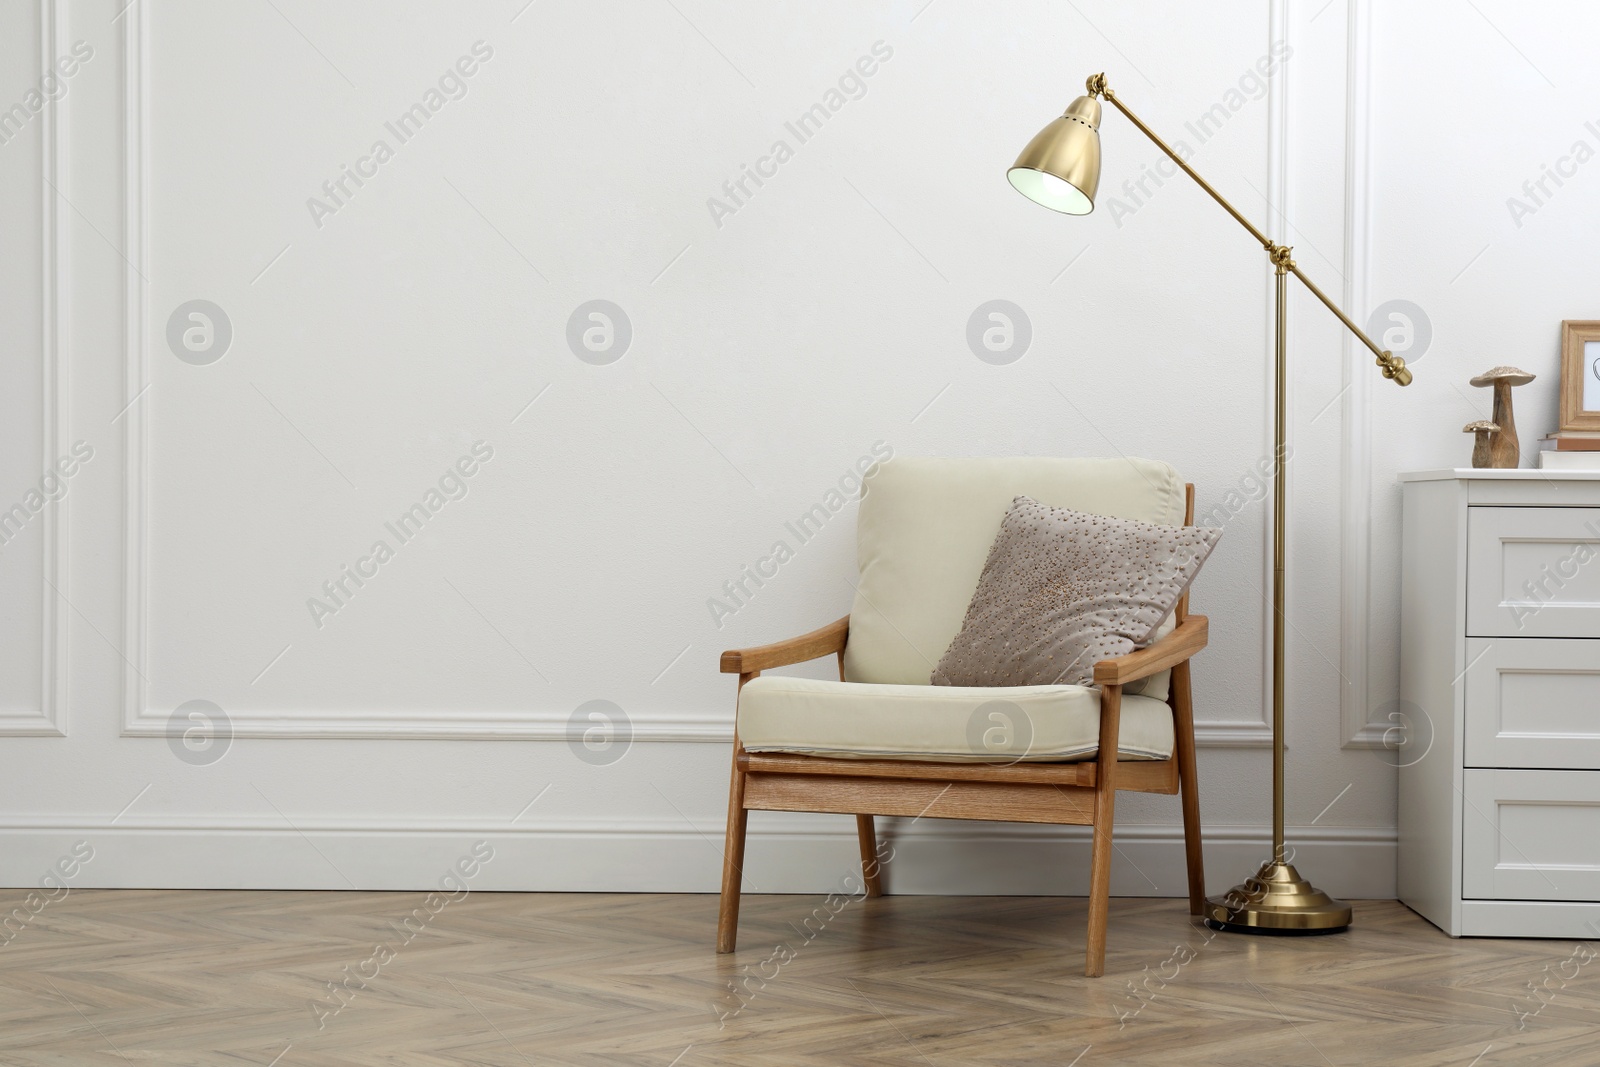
(1062, 590)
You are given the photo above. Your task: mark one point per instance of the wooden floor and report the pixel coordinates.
(231, 978)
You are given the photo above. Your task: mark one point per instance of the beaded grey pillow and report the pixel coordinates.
(1063, 589)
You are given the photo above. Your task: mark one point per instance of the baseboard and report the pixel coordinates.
(785, 854)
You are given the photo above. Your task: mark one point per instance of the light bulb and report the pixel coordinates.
(1049, 183)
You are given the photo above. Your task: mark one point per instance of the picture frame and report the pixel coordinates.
(1580, 376)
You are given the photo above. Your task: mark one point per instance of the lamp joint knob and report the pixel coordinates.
(1394, 368)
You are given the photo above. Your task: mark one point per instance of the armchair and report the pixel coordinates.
(883, 741)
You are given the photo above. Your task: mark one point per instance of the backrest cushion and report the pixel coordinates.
(924, 530)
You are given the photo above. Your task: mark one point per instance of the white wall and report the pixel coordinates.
(373, 345)
(1496, 266)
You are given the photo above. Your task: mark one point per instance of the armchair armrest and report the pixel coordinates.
(1187, 638)
(826, 641)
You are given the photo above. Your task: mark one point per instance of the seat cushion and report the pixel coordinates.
(923, 533)
(952, 724)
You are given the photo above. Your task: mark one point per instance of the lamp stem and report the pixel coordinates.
(1280, 513)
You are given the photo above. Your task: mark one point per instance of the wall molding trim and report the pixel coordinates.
(1275, 227)
(786, 853)
(50, 719)
(1237, 733)
(1357, 730)
(139, 719)
(135, 141)
(439, 726)
(546, 726)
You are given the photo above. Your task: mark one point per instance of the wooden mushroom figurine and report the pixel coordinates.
(1504, 450)
(1485, 432)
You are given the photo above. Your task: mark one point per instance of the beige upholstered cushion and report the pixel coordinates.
(1063, 590)
(924, 530)
(943, 723)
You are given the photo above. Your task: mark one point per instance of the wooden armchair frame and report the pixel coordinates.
(1082, 794)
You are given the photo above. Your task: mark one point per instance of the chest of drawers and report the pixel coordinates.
(1499, 820)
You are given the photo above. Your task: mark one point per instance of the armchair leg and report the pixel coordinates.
(1104, 809)
(732, 862)
(733, 845)
(871, 869)
(1189, 784)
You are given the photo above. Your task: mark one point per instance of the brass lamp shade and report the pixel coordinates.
(1060, 167)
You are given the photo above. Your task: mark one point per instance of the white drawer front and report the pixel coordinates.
(1533, 572)
(1531, 835)
(1532, 703)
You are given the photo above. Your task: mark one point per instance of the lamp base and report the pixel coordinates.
(1277, 901)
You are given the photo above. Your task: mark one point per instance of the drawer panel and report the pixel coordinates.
(1533, 703)
(1533, 572)
(1531, 835)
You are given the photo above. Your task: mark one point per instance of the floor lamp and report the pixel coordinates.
(1060, 169)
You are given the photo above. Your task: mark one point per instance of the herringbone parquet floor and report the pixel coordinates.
(219, 978)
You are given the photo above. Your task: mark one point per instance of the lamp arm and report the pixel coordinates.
(1385, 357)
(1392, 365)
